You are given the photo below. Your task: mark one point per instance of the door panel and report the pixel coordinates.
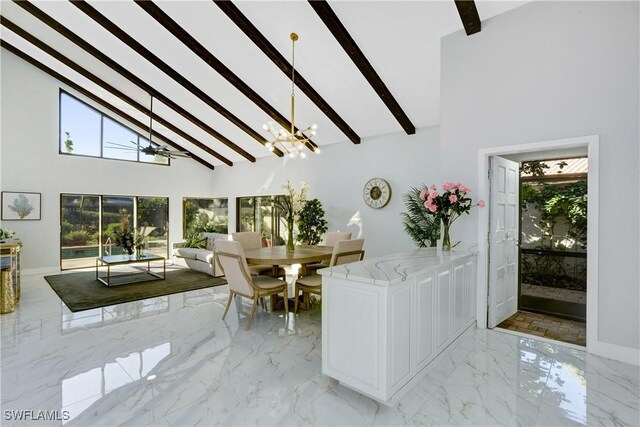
(503, 260)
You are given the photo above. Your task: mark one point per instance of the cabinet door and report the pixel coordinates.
(471, 289)
(459, 300)
(443, 307)
(424, 320)
(400, 331)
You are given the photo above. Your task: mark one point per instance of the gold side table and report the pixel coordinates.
(10, 278)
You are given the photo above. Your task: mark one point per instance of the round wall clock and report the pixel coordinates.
(376, 193)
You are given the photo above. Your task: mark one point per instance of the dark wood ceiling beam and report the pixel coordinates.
(203, 53)
(333, 23)
(106, 86)
(469, 16)
(19, 53)
(96, 53)
(238, 18)
(124, 37)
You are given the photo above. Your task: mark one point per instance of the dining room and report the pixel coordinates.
(279, 213)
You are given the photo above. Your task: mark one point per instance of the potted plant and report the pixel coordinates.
(311, 222)
(289, 206)
(420, 225)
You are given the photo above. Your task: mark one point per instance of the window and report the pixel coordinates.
(88, 221)
(203, 214)
(84, 131)
(259, 214)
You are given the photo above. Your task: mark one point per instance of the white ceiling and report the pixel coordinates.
(400, 39)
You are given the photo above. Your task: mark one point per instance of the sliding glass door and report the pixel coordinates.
(79, 230)
(88, 223)
(259, 214)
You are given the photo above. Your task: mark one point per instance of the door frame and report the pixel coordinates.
(592, 144)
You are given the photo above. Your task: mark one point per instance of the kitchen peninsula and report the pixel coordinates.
(384, 320)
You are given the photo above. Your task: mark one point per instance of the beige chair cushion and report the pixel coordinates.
(346, 246)
(235, 269)
(248, 239)
(311, 281)
(332, 237)
(266, 282)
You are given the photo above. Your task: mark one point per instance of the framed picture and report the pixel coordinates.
(20, 206)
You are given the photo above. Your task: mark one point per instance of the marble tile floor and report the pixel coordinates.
(172, 361)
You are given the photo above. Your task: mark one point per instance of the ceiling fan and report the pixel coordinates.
(152, 149)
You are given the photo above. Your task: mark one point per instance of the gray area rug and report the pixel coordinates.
(81, 291)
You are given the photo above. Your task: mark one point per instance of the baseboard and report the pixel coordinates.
(40, 271)
(614, 351)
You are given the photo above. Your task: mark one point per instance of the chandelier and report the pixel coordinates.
(289, 140)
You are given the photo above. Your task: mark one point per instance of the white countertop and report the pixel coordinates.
(392, 269)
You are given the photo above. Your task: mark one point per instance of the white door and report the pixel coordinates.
(503, 236)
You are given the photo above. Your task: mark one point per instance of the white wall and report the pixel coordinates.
(552, 70)
(337, 176)
(30, 162)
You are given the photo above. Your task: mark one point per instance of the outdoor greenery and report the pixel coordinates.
(195, 240)
(68, 143)
(564, 203)
(198, 219)
(420, 225)
(560, 211)
(311, 222)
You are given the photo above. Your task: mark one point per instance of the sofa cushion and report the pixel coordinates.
(212, 237)
(205, 256)
(189, 253)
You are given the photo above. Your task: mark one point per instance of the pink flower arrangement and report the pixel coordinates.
(452, 203)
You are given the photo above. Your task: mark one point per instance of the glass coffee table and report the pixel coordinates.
(130, 276)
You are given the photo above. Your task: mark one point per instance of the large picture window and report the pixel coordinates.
(87, 222)
(257, 213)
(85, 131)
(205, 214)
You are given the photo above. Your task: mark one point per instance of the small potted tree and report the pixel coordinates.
(311, 223)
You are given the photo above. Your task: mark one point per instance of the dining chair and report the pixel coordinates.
(330, 239)
(252, 240)
(231, 257)
(344, 251)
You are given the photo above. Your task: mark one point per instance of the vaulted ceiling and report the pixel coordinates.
(218, 70)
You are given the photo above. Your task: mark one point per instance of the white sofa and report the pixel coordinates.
(200, 259)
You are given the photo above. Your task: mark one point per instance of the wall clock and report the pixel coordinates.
(376, 193)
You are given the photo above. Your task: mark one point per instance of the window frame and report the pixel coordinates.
(102, 142)
(101, 239)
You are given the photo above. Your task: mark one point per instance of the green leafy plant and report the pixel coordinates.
(195, 240)
(77, 237)
(204, 224)
(6, 234)
(420, 225)
(311, 222)
(68, 143)
(559, 203)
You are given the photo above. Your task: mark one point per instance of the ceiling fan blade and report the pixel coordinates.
(121, 145)
(133, 150)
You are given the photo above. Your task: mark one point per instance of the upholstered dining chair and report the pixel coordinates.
(234, 266)
(252, 240)
(330, 239)
(344, 251)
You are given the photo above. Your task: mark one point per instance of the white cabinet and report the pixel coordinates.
(377, 337)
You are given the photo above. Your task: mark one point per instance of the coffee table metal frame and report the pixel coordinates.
(112, 260)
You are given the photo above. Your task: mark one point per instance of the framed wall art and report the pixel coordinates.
(20, 206)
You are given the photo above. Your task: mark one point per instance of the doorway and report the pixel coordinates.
(500, 285)
(552, 279)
